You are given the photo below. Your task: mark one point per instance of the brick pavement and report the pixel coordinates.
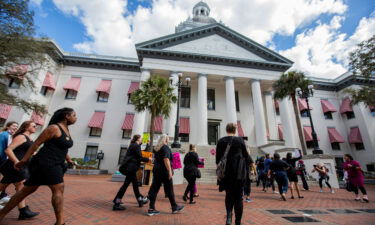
(88, 201)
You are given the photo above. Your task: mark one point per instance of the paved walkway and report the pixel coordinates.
(88, 201)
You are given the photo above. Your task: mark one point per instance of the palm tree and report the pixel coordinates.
(156, 96)
(286, 87)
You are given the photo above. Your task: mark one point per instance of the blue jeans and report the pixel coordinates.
(282, 181)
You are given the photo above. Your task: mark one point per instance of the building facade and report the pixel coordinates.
(231, 81)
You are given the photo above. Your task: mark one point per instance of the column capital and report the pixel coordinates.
(253, 80)
(202, 75)
(229, 78)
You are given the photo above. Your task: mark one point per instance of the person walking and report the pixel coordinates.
(323, 175)
(252, 173)
(269, 180)
(278, 169)
(260, 172)
(162, 175)
(191, 172)
(292, 173)
(132, 162)
(301, 171)
(15, 151)
(355, 177)
(47, 166)
(5, 140)
(232, 182)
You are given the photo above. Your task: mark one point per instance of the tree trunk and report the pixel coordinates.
(299, 125)
(152, 132)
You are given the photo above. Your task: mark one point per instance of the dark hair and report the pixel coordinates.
(289, 155)
(135, 138)
(10, 123)
(60, 115)
(276, 156)
(231, 128)
(191, 146)
(267, 155)
(22, 128)
(349, 156)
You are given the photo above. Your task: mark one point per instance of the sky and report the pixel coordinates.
(317, 35)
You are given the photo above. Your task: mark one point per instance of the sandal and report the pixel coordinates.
(300, 197)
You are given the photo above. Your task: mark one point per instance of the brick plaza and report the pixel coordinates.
(88, 201)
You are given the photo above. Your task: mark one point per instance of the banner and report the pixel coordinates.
(145, 138)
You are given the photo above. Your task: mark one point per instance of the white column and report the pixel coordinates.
(202, 110)
(271, 116)
(173, 113)
(139, 118)
(289, 133)
(260, 123)
(230, 100)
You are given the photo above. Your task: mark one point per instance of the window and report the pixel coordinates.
(184, 137)
(2, 122)
(328, 116)
(237, 102)
(129, 99)
(102, 97)
(211, 99)
(121, 157)
(335, 146)
(44, 91)
(91, 152)
(185, 97)
(310, 144)
(350, 115)
(95, 132)
(71, 94)
(304, 113)
(126, 134)
(13, 83)
(359, 146)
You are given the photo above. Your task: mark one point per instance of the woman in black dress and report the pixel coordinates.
(132, 159)
(191, 172)
(231, 184)
(15, 151)
(162, 175)
(47, 166)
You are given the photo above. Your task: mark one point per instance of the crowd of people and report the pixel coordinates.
(27, 168)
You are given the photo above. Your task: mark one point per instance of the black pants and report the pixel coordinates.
(363, 190)
(247, 188)
(190, 188)
(157, 181)
(304, 182)
(326, 179)
(130, 178)
(271, 182)
(233, 199)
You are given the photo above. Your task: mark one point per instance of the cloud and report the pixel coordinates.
(323, 51)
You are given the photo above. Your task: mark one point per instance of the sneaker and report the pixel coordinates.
(178, 209)
(321, 191)
(275, 192)
(152, 212)
(332, 191)
(4, 200)
(365, 199)
(1, 207)
(118, 207)
(248, 200)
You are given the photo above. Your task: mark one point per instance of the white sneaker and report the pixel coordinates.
(276, 192)
(321, 191)
(1, 207)
(332, 191)
(4, 200)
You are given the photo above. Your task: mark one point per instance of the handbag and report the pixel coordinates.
(124, 166)
(199, 175)
(220, 170)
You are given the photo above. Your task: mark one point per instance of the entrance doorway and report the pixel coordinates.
(213, 132)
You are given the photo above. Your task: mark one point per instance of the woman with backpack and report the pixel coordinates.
(191, 172)
(132, 162)
(355, 177)
(323, 175)
(301, 171)
(231, 158)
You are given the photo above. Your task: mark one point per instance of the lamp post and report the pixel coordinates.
(179, 85)
(306, 94)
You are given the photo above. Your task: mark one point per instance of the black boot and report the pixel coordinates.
(26, 213)
(229, 218)
(117, 207)
(238, 222)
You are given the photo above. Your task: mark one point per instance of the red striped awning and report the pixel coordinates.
(302, 104)
(158, 124)
(133, 86)
(5, 111)
(280, 129)
(19, 70)
(346, 106)
(128, 122)
(37, 119)
(104, 86)
(307, 131)
(49, 82)
(335, 136)
(97, 120)
(355, 136)
(239, 129)
(73, 84)
(327, 106)
(184, 126)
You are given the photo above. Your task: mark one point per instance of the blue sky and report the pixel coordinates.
(74, 26)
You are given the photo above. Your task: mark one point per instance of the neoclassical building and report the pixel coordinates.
(231, 81)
